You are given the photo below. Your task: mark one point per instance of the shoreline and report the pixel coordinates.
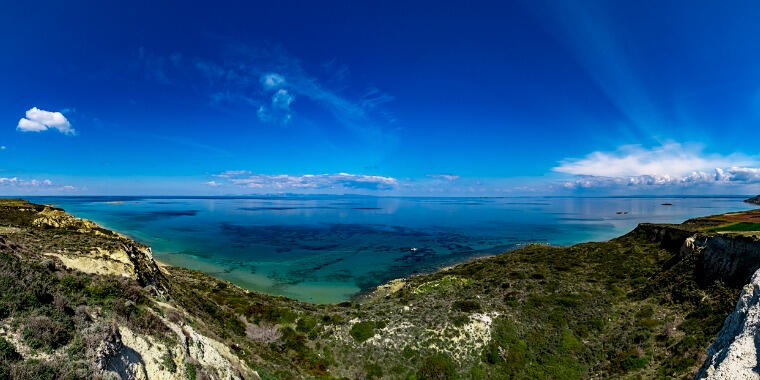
(315, 292)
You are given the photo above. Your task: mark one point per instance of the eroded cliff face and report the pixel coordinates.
(670, 237)
(127, 258)
(127, 354)
(728, 257)
(734, 354)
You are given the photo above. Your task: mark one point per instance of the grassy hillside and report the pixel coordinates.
(628, 308)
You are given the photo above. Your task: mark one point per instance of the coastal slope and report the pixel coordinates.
(80, 301)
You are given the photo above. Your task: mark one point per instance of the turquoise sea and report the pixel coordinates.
(330, 248)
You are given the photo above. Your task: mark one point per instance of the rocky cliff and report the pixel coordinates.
(730, 257)
(734, 354)
(754, 200)
(80, 301)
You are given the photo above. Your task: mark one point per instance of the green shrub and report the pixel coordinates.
(293, 340)
(645, 312)
(34, 369)
(467, 306)
(167, 360)
(190, 371)
(362, 331)
(445, 283)
(569, 341)
(139, 319)
(506, 349)
(373, 371)
(5, 370)
(287, 316)
(74, 284)
(42, 332)
(306, 324)
(437, 367)
(8, 353)
(634, 362)
(102, 291)
(460, 320)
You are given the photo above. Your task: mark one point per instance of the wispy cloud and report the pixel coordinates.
(38, 120)
(445, 177)
(232, 173)
(279, 110)
(275, 83)
(285, 182)
(666, 165)
(31, 183)
(282, 99)
(272, 80)
(25, 186)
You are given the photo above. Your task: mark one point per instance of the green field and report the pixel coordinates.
(737, 227)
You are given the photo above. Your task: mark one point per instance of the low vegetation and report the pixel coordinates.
(628, 308)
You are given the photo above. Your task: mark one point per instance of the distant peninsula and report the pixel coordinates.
(754, 200)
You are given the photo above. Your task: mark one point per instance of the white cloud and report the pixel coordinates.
(285, 182)
(272, 80)
(27, 125)
(446, 177)
(15, 181)
(8, 181)
(22, 186)
(231, 173)
(3, 147)
(669, 164)
(263, 114)
(213, 183)
(633, 160)
(282, 99)
(38, 120)
(280, 108)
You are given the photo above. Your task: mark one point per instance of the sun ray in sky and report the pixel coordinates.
(519, 100)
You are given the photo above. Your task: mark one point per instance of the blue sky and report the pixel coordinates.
(390, 98)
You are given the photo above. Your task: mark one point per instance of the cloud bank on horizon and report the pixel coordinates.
(33, 186)
(319, 182)
(672, 165)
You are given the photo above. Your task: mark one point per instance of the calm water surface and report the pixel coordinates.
(327, 249)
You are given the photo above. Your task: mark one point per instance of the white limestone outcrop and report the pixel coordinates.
(735, 353)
